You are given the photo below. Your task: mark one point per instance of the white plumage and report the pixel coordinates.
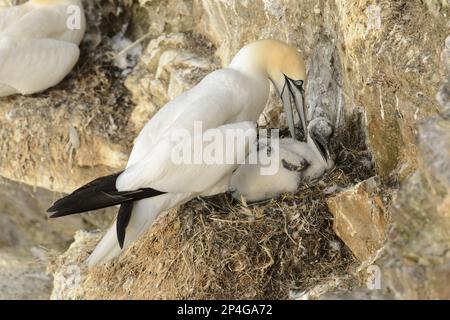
(213, 101)
(296, 162)
(144, 213)
(37, 47)
(225, 101)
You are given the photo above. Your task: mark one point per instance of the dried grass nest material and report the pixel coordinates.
(219, 248)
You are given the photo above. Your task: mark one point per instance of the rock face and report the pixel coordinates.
(357, 56)
(28, 239)
(360, 57)
(23, 276)
(417, 257)
(360, 219)
(350, 51)
(170, 65)
(392, 73)
(415, 263)
(67, 280)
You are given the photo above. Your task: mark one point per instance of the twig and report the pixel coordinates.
(231, 221)
(132, 45)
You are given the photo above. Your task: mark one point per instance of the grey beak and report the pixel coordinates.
(299, 99)
(327, 153)
(323, 148)
(294, 95)
(288, 110)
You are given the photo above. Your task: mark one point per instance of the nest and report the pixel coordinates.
(219, 248)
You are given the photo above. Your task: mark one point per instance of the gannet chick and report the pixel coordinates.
(39, 44)
(297, 162)
(227, 102)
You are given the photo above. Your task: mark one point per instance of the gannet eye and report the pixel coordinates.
(298, 83)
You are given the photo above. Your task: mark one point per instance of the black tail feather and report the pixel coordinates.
(97, 194)
(123, 218)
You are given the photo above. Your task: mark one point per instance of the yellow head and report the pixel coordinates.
(284, 66)
(282, 59)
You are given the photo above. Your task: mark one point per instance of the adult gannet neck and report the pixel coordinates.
(39, 44)
(227, 102)
(284, 66)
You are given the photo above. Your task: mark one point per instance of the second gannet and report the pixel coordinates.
(39, 44)
(226, 100)
(297, 162)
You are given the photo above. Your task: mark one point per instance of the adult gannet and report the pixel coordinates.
(39, 44)
(297, 162)
(226, 100)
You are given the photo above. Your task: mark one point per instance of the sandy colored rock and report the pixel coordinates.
(25, 223)
(23, 275)
(360, 218)
(415, 262)
(350, 66)
(67, 280)
(392, 71)
(383, 61)
(28, 239)
(170, 65)
(67, 135)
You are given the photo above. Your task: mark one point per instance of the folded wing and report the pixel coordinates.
(32, 65)
(218, 152)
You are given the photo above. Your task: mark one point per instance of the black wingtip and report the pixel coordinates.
(123, 219)
(55, 214)
(53, 210)
(99, 194)
(121, 238)
(57, 210)
(121, 241)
